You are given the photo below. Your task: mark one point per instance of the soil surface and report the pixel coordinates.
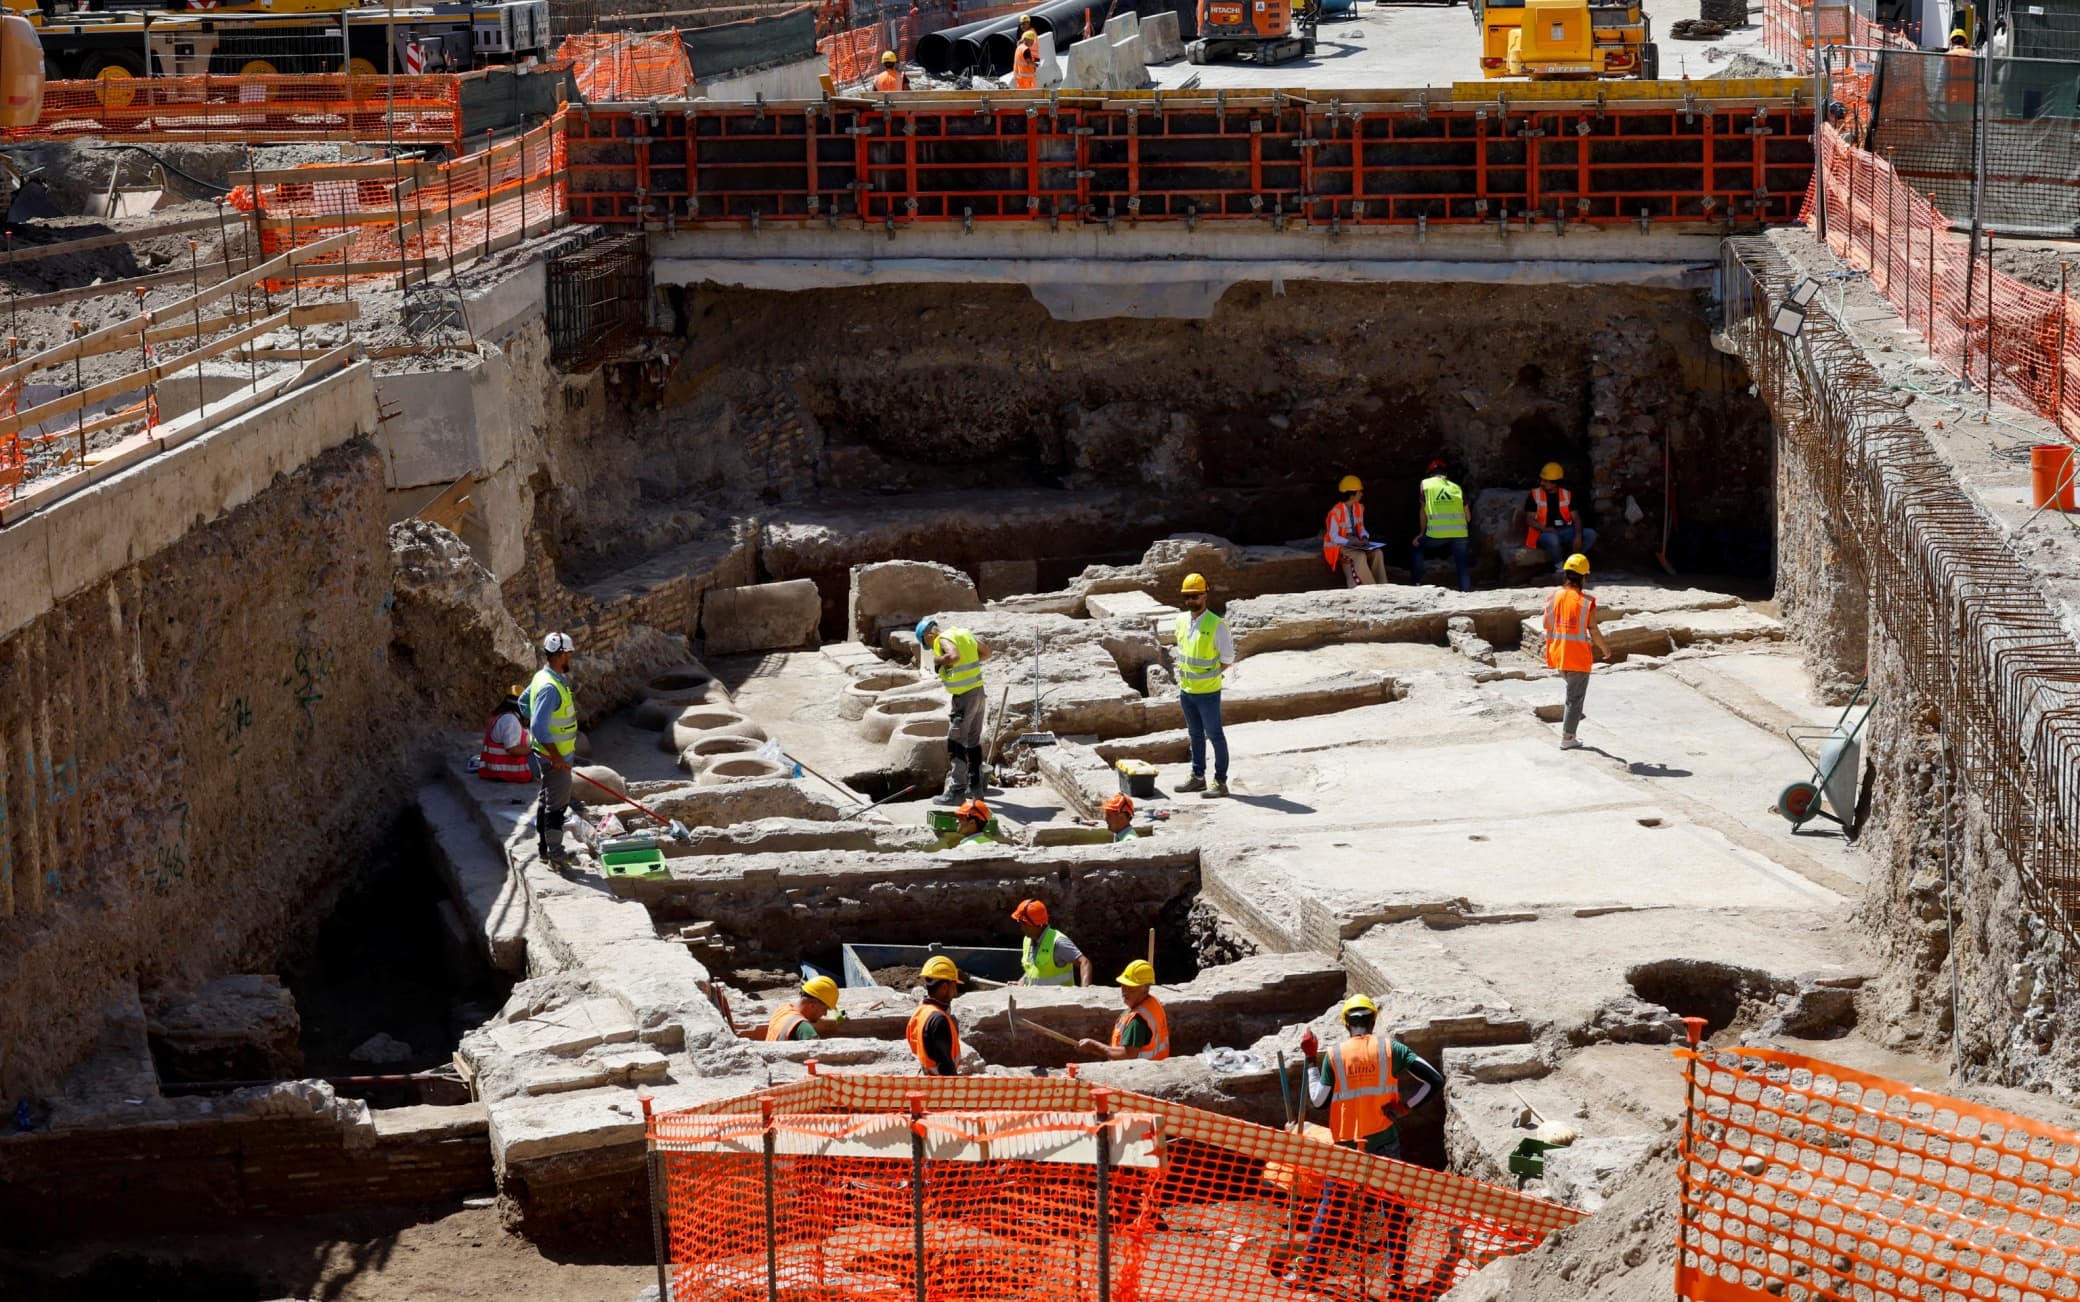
(456, 1256)
(2037, 263)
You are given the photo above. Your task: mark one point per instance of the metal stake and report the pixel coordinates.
(765, 1107)
(1989, 322)
(1101, 1102)
(195, 290)
(657, 1238)
(916, 1188)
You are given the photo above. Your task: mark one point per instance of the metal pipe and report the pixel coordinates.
(1057, 16)
(955, 49)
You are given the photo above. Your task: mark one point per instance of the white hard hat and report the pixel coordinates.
(556, 643)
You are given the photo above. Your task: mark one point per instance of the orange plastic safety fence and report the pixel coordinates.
(1807, 1181)
(823, 1201)
(612, 66)
(415, 214)
(1982, 325)
(251, 109)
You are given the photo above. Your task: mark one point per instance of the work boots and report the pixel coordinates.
(1193, 783)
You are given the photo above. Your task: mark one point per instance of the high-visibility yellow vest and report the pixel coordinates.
(563, 721)
(1446, 504)
(1198, 655)
(1037, 958)
(965, 675)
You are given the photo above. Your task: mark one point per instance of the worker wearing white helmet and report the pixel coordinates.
(1345, 544)
(553, 721)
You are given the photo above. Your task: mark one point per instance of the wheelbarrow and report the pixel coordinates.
(1837, 760)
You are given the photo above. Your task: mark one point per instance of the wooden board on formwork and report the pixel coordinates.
(453, 505)
(36, 251)
(1716, 91)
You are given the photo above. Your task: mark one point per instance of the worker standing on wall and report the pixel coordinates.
(1048, 957)
(553, 714)
(957, 656)
(1444, 524)
(1345, 544)
(1571, 632)
(1369, 1083)
(932, 1034)
(802, 1019)
(1204, 648)
(1025, 65)
(504, 754)
(1143, 1031)
(891, 77)
(1551, 524)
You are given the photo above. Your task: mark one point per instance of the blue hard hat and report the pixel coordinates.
(925, 625)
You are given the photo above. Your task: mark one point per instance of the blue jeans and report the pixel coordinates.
(1338, 1220)
(1558, 543)
(1202, 718)
(1457, 547)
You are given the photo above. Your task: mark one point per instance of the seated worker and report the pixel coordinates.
(1552, 524)
(1143, 1031)
(1345, 545)
(802, 1019)
(932, 1033)
(1048, 957)
(505, 754)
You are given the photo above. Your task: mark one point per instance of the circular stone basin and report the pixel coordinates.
(707, 750)
(740, 768)
(707, 720)
(681, 684)
(880, 721)
(858, 696)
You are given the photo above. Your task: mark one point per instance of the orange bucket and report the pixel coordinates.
(2051, 475)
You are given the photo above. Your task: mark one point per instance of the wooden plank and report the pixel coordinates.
(35, 252)
(134, 283)
(377, 170)
(399, 350)
(453, 505)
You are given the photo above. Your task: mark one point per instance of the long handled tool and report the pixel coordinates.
(1285, 1099)
(1011, 1012)
(877, 804)
(673, 826)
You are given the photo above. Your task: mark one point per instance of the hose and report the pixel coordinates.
(189, 177)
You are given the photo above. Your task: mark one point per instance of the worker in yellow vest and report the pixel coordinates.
(1204, 649)
(1571, 633)
(957, 656)
(932, 1033)
(1369, 1083)
(1143, 1031)
(553, 724)
(802, 1019)
(1552, 524)
(1048, 957)
(1345, 545)
(1444, 525)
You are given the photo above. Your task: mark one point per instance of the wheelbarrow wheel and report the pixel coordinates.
(1798, 802)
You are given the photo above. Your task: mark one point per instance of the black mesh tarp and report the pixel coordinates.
(753, 43)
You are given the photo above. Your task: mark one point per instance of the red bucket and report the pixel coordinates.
(2051, 475)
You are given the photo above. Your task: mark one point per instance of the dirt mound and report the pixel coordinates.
(1624, 1253)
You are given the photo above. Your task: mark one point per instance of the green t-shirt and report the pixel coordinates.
(1400, 1056)
(1137, 1035)
(804, 1030)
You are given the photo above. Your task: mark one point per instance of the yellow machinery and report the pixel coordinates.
(1566, 40)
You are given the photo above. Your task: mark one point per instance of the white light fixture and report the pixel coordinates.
(1788, 320)
(1803, 292)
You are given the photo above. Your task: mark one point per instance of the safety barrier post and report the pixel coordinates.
(765, 1115)
(916, 1186)
(2060, 361)
(1101, 1106)
(664, 1292)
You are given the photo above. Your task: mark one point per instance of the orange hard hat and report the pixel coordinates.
(974, 809)
(1031, 912)
(1121, 802)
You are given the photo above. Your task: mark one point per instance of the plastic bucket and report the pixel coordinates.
(2051, 476)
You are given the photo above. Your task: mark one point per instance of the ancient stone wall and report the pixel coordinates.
(195, 747)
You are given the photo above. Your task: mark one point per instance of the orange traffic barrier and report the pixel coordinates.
(257, 110)
(844, 1187)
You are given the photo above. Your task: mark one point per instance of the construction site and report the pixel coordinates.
(733, 652)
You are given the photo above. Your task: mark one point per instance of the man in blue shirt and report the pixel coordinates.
(553, 723)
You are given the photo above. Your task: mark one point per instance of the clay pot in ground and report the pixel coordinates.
(707, 721)
(683, 685)
(709, 749)
(918, 751)
(881, 721)
(859, 696)
(586, 793)
(740, 768)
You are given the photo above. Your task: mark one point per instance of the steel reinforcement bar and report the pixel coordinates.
(1392, 158)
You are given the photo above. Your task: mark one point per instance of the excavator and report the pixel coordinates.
(1566, 40)
(1268, 31)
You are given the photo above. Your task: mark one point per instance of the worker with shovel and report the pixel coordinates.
(803, 1019)
(1143, 1031)
(932, 1033)
(1361, 1083)
(553, 718)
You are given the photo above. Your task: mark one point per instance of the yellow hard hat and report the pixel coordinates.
(1551, 470)
(1358, 1004)
(822, 989)
(1138, 973)
(889, 57)
(1193, 583)
(1957, 34)
(515, 690)
(1350, 484)
(940, 968)
(1577, 564)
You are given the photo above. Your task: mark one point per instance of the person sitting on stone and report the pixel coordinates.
(1552, 521)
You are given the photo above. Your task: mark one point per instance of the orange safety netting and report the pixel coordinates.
(1809, 1181)
(612, 66)
(414, 213)
(1982, 325)
(812, 1190)
(255, 110)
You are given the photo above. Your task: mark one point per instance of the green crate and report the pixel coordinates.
(637, 864)
(1529, 1159)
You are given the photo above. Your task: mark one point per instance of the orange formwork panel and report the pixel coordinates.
(423, 110)
(849, 1188)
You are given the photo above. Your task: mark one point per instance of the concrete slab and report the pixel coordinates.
(475, 872)
(568, 1030)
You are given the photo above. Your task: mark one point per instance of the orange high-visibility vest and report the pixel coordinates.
(782, 1027)
(1538, 525)
(1158, 1046)
(914, 1035)
(1026, 67)
(1568, 612)
(1352, 515)
(1960, 77)
(889, 80)
(1366, 1098)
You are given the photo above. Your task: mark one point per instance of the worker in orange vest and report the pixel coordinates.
(1345, 544)
(891, 77)
(1571, 632)
(1960, 70)
(1025, 65)
(504, 755)
(1551, 523)
(1369, 1083)
(803, 1018)
(1143, 1031)
(932, 1034)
